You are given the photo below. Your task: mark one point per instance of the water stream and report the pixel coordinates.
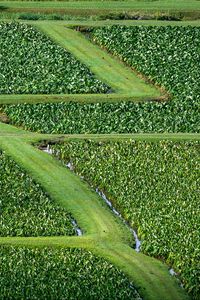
(137, 241)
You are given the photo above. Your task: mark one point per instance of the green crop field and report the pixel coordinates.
(99, 150)
(163, 177)
(26, 210)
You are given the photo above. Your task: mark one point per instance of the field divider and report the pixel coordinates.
(10, 131)
(79, 98)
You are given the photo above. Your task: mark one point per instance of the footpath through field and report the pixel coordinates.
(107, 68)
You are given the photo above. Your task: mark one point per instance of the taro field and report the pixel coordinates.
(99, 157)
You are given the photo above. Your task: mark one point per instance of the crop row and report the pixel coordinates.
(33, 64)
(121, 117)
(25, 209)
(48, 273)
(155, 187)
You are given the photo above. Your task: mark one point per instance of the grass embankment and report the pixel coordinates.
(88, 8)
(99, 23)
(7, 130)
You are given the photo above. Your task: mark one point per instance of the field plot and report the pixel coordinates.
(32, 64)
(170, 62)
(118, 105)
(155, 187)
(81, 275)
(25, 209)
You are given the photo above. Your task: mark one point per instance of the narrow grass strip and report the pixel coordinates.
(7, 131)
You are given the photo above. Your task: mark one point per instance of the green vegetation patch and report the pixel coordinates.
(155, 187)
(25, 209)
(60, 274)
(121, 117)
(33, 64)
(168, 56)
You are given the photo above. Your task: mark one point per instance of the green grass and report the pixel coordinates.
(181, 5)
(7, 130)
(113, 72)
(99, 23)
(68, 191)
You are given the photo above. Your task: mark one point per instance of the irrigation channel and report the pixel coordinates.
(79, 232)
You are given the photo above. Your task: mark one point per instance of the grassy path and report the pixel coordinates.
(65, 187)
(8, 131)
(103, 232)
(100, 23)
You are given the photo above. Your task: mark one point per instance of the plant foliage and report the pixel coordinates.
(155, 187)
(168, 56)
(60, 274)
(25, 209)
(33, 64)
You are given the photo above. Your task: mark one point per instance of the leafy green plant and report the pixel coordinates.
(25, 209)
(33, 64)
(167, 55)
(121, 117)
(155, 187)
(48, 273)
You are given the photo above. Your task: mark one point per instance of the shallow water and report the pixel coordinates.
(137, 241)
(77, 229)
